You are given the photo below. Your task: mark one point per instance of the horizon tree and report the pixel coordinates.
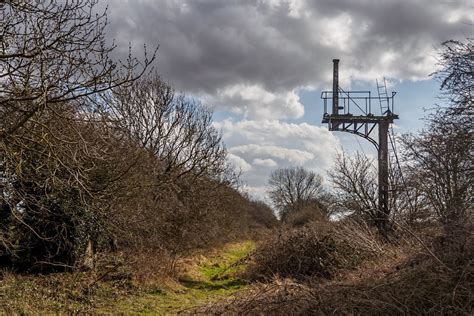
(292, 188)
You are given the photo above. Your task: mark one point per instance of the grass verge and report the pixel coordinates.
(203, 278)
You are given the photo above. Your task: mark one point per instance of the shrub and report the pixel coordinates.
(315, 250)
(418, 285)
(305, 216)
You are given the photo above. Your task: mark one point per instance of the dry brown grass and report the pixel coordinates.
(423, 289)
(404, 280)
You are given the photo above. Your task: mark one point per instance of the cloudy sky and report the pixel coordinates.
(261, 65)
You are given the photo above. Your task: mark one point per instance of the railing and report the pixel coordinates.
(361, 101)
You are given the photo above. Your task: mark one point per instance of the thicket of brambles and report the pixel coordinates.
(102, 155)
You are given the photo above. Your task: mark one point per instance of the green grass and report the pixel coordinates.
(206, 279)
(213, 278)
(226, 264)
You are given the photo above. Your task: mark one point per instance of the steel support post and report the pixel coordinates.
(384, 211)
(335, 87)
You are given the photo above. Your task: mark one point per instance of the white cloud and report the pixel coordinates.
(290, 156)
(238, 162)
(267, 163)
(256, 102)
(336, 31)
(269, 144)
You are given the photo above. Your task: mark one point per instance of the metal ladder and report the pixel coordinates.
(383, 97)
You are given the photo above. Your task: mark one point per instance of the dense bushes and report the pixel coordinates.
(312, 212)
(400, 280)
(52, 139)
(98, 154)
(319, 249)
(47, 209)
(207, 214)
(421, 290)
(152, 177)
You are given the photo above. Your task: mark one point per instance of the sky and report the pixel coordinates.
(261, 65)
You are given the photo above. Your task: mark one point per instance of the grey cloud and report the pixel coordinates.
(255, 102)
(251, 56)
(207, 45)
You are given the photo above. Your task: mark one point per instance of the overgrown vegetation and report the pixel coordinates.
(384, 279)
(318, 249)
(99, 156)
(202, 278)
(424, 289)
(110, 177)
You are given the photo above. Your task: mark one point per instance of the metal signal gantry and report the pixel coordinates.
(353, 112)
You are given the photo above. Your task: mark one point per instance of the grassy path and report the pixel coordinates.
(206, 278)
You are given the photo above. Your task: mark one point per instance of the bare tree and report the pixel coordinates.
(409, 206)
(355, 179)
(174, 129)
(292, 188)
(440, 159)
(53, 60)
(53, 52)
(181, 180)
(457, 75)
